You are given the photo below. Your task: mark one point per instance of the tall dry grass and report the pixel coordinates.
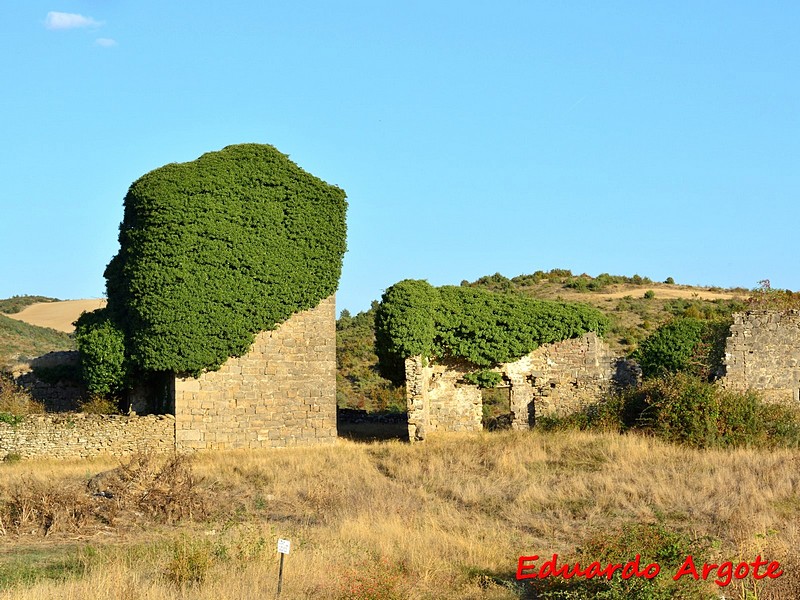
(443, 519)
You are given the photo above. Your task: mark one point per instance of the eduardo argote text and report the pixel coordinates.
(722, 574)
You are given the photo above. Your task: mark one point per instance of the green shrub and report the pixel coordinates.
(404, 326)
(684, 344)
(484, 378)
(473, 324)
(649, 295)
(685, 409)
(102, 352)
(655, 543)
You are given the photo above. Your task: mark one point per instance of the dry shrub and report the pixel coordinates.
(164, 491)
(32, 506)
(99, 405)
(16, 401)
(142, 490)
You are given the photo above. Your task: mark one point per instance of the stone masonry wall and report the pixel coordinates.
(78, 435)
(554, 379)
(437, 401)
(763, 353)
(282, 393)
(561, 378)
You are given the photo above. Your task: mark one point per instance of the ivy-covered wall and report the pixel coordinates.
(212, 252)
(482, 327)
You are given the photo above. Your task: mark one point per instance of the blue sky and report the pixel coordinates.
(658, 138)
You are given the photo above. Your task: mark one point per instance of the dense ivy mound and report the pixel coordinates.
(482, 327)
(215, 250)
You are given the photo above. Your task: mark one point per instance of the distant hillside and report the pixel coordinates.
(15, 304)
(57, 315)
(636, 305)
(18, 339)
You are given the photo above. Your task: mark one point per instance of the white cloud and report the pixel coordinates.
(60, 20)
(105, 42)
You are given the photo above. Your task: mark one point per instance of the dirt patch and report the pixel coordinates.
(665, 292)
(57, 315)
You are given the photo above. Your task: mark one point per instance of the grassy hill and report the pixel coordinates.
(636, 305)
(21, 340)
(15, 304)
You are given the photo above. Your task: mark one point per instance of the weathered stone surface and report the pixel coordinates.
(78, 435)
(762, 353)
(282, 393)
(554, 379)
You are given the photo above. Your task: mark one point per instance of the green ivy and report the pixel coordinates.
(482, 327)
(215, 250)
(101, 344)
(684, 344)
(484, 378)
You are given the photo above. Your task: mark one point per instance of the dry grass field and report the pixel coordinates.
(444, 519)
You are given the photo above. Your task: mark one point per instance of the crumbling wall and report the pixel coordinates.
(281, 393)
(554, 379)
(438, 400)
(763, 353)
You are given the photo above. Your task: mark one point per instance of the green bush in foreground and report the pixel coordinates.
(655, 543)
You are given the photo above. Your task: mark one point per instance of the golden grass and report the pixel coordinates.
(444, 519)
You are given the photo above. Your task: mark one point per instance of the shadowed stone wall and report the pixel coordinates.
(282, 393)
(763, 353)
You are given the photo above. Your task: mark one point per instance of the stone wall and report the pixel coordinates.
(438, 401)
(61, 396)
(282, 393)
(554, 379)
(78, 435)
(763, 353)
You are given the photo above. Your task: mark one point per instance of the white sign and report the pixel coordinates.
(283, 546)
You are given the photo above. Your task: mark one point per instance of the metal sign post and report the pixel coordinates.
(283, 550)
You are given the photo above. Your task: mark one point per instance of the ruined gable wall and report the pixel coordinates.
(763, 353)
(281, 393)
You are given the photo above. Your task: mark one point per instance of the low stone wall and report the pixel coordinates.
(763, 353)
(78, 435)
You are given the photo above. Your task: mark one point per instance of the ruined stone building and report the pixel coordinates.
(554, 379)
